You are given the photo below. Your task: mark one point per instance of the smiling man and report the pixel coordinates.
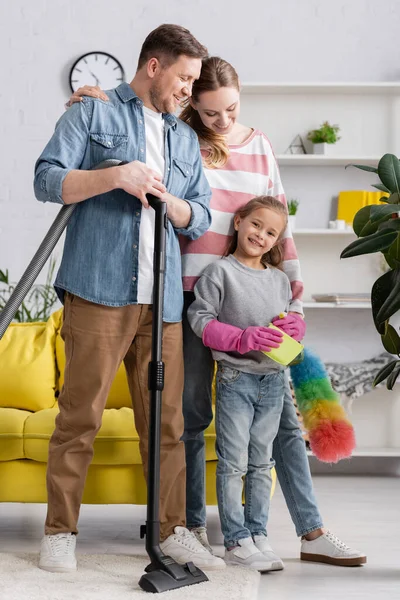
(106, 277)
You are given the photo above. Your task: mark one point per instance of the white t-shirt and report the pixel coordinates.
(154, 124)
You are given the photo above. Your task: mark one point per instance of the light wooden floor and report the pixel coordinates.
(363, 511)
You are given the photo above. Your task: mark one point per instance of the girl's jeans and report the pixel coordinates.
(248, 411)
(289, 451)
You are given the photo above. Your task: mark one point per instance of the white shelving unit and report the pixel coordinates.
(316, 160)
(369, 118)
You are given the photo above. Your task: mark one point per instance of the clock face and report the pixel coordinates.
(96, 68)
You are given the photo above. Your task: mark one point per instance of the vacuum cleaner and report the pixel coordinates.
(163, 573)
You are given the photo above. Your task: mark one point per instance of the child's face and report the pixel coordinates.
(259, 231)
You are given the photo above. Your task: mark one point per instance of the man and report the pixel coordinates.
(106, 277)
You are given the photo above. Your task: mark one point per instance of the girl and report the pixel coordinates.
(236, 298)
(239, 164)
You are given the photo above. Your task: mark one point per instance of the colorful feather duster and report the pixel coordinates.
(331, 435)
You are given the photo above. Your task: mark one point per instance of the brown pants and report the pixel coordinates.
(97, 339)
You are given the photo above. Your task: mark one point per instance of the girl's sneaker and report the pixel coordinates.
(247, 554)
(201, 534)
(262, 544)
(57, 553)
(183, 547)
(327, 548)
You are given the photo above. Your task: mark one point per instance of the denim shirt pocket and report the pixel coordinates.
(180, 177)
(105, 146)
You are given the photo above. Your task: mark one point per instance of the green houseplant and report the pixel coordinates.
(38, 304)
(326, 134)
(292, 206)
(378, 230)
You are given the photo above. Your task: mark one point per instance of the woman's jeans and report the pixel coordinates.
(289, 451)
(248, 411)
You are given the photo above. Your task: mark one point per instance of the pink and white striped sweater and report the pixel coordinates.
(251, 170)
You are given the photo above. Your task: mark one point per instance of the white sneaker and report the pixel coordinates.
(262, 544)
(247, 555)
(183, 546)
(57, 553)
(201, 534)
(327, 548)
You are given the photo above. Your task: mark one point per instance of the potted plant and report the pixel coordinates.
(378, 230)
(293, 205)
(326, 134)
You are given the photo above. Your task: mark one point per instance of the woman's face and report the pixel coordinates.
(219, 109)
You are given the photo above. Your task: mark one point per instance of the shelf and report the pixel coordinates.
(318, 160)
(372, 453)
(316, 231)
(335, 305)
(374, 88)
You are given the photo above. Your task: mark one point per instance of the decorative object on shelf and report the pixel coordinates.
(330, 433)
(296, 146)
(96, 68)
(326, 134)
(378, 230)
(39, 303)
(339, 224)
(356, 378)
(292, 206)
(350, 201)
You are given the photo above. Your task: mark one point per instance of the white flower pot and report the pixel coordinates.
(324, 149)
(292, 222)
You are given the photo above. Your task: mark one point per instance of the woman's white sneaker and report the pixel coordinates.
(183, 546)
(247, 555)
(327, 548)
(201, 535)
(262, 544)
(57, 553)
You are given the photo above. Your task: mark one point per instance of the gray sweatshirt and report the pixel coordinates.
(238, 295)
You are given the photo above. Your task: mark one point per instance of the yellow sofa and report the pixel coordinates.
(32, 364)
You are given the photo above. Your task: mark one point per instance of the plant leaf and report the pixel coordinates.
(360, 220)
(384, 372)
(372, 243)
(377, 212)
(392, 378)
(391, 340)
(389, 172)
(379, 293)
(392, 303)
(381, 188)
(364, 168)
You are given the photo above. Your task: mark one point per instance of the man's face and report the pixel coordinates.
(171, 85)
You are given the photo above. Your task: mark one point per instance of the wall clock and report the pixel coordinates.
(96, 68)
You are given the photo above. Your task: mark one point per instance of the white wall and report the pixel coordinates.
(267, 40)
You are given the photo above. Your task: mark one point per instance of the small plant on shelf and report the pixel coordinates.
(326, 134)
(293, 205)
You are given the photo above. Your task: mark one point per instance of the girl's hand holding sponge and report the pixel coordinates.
(292, 324)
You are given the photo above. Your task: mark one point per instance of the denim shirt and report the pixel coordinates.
(101, 251)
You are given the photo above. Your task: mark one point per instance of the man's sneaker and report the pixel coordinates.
(327, 548)
(262, 544)
(183, 547)
(201, 535)
(247, 555)
(57, 553)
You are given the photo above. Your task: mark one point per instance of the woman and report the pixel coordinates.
(239, 164)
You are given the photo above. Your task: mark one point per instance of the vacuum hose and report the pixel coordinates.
(38, 261)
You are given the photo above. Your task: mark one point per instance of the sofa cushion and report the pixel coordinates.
(119, 392)
(27, 365)
(117, 442)
(12, 423)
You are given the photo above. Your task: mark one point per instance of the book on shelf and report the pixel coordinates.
(340, 298)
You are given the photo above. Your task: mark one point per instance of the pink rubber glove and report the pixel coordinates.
(293, 324)
(228, 338)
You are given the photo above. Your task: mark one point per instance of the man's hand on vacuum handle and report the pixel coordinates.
(137, 179)
(133, 177)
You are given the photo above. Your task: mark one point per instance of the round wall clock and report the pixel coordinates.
(96, 68)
